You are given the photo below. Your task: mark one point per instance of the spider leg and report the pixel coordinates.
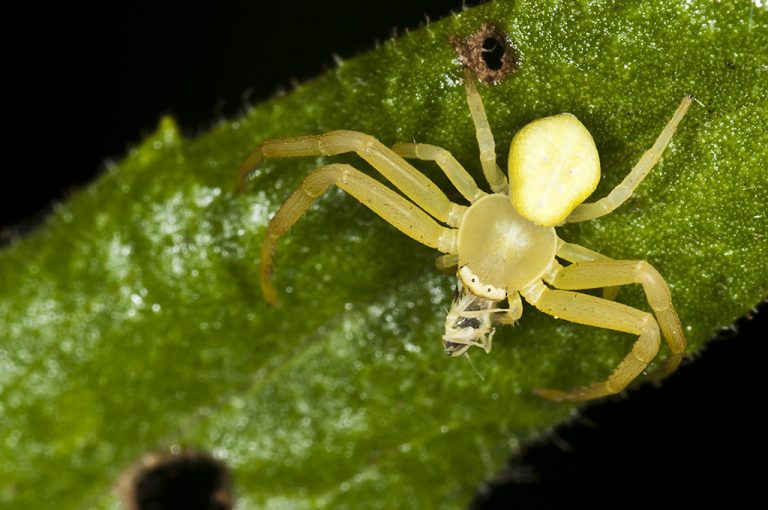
(623, 191)
(393, 208)
(577, 253)
(514, 312)
(456, 173)
(415, 185)
(493, 173)
(447, 261)
(589, 275)
(595, 311)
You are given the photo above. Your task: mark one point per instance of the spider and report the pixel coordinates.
(503, 244)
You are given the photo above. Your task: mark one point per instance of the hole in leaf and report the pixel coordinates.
(188, 480)
(493, 52)
(488, 53)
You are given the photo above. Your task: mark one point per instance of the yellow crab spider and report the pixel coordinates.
(504, 243)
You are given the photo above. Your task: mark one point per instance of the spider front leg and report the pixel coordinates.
(624, 190)
(596, 274)
(393, 208)
(595, 311)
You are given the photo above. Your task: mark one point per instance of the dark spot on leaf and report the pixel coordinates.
(730, 65)
(488, 53)
(493, 52)
(190, 480)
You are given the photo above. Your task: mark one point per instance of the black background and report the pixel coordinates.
(82, 84)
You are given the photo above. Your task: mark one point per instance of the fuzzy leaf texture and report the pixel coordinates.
(132, 320)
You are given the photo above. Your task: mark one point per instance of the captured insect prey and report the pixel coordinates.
(468, 323)
(503, 245)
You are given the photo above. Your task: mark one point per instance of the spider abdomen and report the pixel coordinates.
(502, 248)
(553, 167)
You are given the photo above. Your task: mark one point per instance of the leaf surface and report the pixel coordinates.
(132, 321)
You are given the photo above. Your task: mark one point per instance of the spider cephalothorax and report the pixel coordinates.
(503, 244)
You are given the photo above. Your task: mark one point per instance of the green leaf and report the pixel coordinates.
(132, 321)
